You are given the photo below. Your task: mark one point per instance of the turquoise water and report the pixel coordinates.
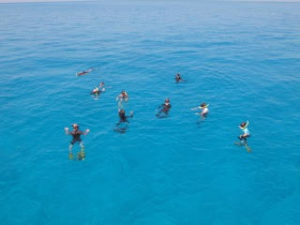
(241, 58)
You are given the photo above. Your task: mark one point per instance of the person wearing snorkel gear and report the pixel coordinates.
(84, 72)
(164, 109)
(178, 78)
(204, 109)
(76, 133)
(123, 117)
(123, 96)
(98, 90)
(246, 133)
(122, 125)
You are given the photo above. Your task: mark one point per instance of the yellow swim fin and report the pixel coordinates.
(71, 157)
(81, 154)
(247, 148)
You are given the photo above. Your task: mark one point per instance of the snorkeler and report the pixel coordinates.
(122, 125)
(178, 78)
(123, 117)
(123, 96)
(85, 72)
(164, 109)
(246, 133)
(76, 133)
(204, 109)
(243, 137)
(98, 90)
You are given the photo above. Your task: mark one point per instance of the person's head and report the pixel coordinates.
(243, 125)
(124, 93)
(101, 84)
(75, 126)
(203, 105)
(167, 100)
(122, 111)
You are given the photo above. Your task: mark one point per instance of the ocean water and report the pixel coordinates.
(241, 58)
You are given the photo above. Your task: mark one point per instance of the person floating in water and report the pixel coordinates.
(246, 134)
(122, 125)
(178, 78)
(85, 72)
(98, 90)
(123, 117)
(76, 133)
(122, 97)
(164, 109)
(204, 109)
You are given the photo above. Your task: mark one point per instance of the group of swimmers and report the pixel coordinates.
(121, 126)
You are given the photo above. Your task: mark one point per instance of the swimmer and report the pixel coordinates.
(123, 117)
(122, 125)
(204, 109)
(76, 133)
(164, 109)
(123, 96)
(98, 90)
(243, 137)
(178, 78)
(246, 133)
(84, 72)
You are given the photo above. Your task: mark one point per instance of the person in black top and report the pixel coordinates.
(76, 133)
(178, 78)
(164, 109)
(122, 125)
(123, 117)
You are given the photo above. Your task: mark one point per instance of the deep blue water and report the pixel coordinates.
(241, 58)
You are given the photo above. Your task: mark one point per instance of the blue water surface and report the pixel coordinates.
(241, 58)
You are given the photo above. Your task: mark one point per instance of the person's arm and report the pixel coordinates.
(130, 115)
(247, 124)
(86, 132)
(195, 108)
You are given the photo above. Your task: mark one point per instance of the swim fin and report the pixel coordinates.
(71, 157)
(81, 154)
(247, 148)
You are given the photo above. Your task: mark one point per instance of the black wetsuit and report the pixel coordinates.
(123, 117)
(165, 108)
(76, 136)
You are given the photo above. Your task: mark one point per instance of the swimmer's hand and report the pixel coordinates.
(66, 130)
(87, 131)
